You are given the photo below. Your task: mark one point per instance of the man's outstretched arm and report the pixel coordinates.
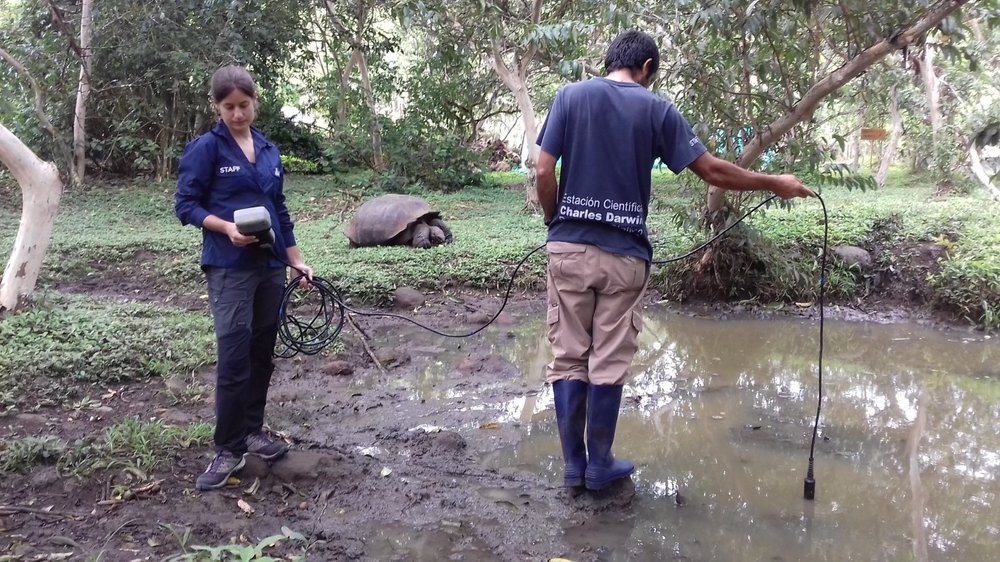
(727, 175)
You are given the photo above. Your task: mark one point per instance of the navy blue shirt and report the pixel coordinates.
(608, 135)
(214, 177)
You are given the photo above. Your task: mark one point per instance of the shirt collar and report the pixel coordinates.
(222, 130)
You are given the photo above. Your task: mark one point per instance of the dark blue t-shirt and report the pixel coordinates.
(608, 135)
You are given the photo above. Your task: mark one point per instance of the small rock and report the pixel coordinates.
(478, 318)
(469, 364)
(390, 358)
(407, 298)
(505, 319)
(176, 383)
(31, 419)
(44, 477)
(853, 256)
(338, 368)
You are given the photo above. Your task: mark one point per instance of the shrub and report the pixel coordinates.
(437, 159)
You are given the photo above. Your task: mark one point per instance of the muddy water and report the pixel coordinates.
(717, 419)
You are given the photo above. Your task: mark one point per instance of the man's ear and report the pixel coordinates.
(648, 72)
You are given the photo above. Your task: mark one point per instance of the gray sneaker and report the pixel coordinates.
(258, 443)
(223, 466)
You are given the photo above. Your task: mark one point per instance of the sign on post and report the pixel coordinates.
(872, 134)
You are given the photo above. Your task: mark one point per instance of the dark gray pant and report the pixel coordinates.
(244, 305)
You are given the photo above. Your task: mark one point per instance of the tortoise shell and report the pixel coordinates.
(380, 220)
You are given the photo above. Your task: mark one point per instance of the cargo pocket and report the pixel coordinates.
(636, 322)
(228, 301)
(552, 322)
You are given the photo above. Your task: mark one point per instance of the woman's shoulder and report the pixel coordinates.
(206, 141)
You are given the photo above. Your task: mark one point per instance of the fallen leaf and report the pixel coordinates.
(247, 508)
(233, 481)
(292, 534)
(252, 490)
(137, 473)
(803, 304)
(490, 425)
(386, 471)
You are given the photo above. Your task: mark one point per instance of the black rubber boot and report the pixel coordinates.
(571, 415)
(602, 419)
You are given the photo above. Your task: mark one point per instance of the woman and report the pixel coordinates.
(234, 167)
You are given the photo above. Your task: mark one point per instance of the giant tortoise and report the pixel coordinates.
(397, 220)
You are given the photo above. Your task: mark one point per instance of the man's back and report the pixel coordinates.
(608, 134)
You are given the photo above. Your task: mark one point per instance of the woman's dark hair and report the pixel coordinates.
(229, 78)
(630, 50)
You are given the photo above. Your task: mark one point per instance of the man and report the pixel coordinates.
(608, 131)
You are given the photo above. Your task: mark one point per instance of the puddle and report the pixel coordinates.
(524, 348)
(718, 417)
(446, 541)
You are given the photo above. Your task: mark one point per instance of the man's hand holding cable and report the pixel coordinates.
(787, 186)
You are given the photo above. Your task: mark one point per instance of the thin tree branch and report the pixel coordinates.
(39, 100)
(852, 69)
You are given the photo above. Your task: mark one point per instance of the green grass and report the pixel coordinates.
(65, 348)
(65, 345)
(133, 228)
(139, 445)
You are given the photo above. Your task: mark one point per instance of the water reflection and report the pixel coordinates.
(721, 411)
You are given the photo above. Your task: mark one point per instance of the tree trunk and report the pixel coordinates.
(518, 86)
(854, 142)
(932, 90)
(891, 148)
(377, 159)
(980, 172)
(829, 84)
(41, 188)
(345, 77)
(82, 93)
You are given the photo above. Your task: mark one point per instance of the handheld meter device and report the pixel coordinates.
(255, 221)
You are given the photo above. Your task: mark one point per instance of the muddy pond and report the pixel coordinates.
(718, 419)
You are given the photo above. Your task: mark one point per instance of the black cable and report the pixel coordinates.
(311, 337)
(809, 484)
(717, 236)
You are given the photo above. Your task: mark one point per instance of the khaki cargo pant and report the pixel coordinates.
(593, 312)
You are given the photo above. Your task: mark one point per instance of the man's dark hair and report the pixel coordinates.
(630, 50)
(229, 78)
